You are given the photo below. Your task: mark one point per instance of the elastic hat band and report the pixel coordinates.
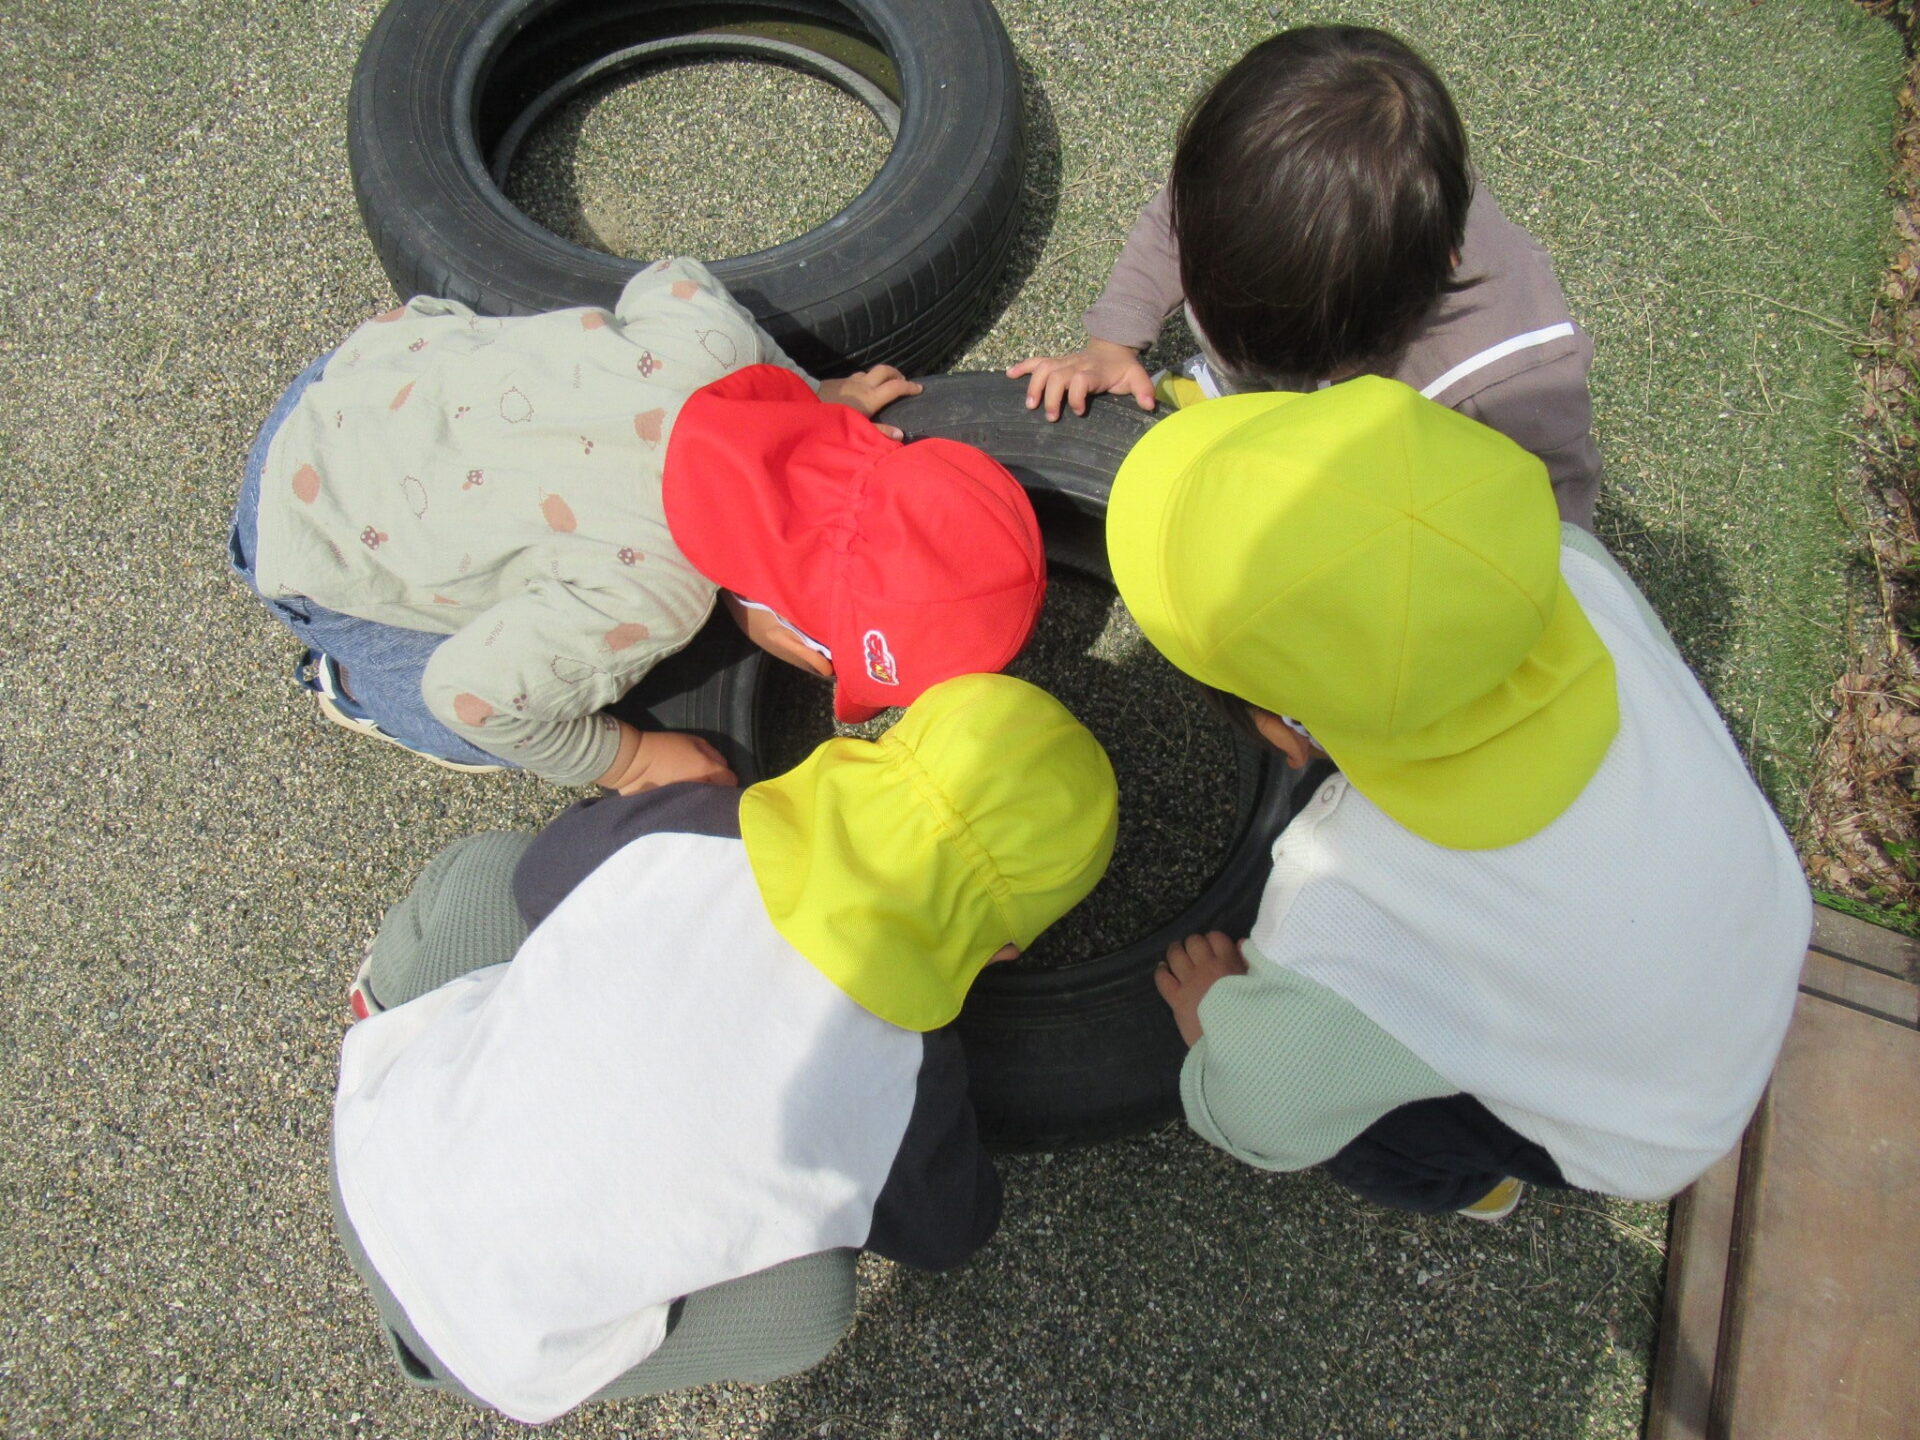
(798, 634)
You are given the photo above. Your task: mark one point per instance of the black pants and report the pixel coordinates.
(1437, 1155)
(1433, 1155)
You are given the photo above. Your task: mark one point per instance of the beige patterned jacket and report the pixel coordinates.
(498, 481)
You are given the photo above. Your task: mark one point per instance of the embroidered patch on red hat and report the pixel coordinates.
(880, 666)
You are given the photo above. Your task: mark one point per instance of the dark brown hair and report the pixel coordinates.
(1320, 191)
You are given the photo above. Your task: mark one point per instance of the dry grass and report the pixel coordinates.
(1862, 831)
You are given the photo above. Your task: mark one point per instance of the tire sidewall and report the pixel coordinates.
(427, 198)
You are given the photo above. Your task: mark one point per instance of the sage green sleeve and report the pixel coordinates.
(1286, 1072)
(525, 679)
(1589, 545)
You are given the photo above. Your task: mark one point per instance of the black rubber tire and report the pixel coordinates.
(899, 275)
(1087, 1051)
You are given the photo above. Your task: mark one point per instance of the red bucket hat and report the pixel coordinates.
(911, 563)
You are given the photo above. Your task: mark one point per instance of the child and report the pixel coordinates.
(719, 1049)
(1322, 221)
(463, 518)
(1542, 926)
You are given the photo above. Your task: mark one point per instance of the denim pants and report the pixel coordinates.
(384, 662)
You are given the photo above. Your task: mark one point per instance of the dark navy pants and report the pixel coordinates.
(1437, 1155)
(1432, 1155)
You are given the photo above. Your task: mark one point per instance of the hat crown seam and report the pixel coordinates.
(953, 824)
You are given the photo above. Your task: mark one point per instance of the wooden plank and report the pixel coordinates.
(1849, 938)
(1683, 1367)
(1861, 988)
(1824, 1320)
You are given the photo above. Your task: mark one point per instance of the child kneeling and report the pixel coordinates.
(718, 1053)
(1542, 925)
(1322, 221)
(484, 529)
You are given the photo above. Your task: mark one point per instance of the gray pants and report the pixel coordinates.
(460, 916)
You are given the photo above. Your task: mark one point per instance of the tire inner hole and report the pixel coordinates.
(705, 156)
(1174, 761)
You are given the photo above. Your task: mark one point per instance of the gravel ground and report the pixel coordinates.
(190, 864)
(611, 170)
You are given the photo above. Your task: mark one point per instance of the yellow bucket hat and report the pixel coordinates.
(899, 866)
(1386, 571)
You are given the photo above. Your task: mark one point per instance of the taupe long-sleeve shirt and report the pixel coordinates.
(1505, 351)
(498, 481)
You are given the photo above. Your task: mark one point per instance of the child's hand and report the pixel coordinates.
(870, 392)
(1100, 367)
(664, 757)
(1188, 972)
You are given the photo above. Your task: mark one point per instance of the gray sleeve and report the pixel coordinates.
(459, 916)
(582, 836)
(1548, 409)
(1286, 1072)
(1144, 287)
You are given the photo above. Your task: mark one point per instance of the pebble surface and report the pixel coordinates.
(191, 864)
(657, 164)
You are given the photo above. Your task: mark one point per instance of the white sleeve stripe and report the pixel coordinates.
(1496, 352)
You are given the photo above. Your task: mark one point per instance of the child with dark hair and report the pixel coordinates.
(1322, 221)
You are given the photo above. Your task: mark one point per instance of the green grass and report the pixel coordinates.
(1895, 917)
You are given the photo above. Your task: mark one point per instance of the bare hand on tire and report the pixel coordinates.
(1188, 972)
(870, 392)
(1100, 367)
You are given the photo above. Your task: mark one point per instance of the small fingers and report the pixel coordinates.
(1183, 955)
(1056, 389)
(897, 388)
(1039, 372)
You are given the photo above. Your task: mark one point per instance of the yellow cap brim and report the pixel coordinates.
(1499, 789)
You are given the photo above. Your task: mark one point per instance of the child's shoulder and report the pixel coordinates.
(585, 835)
(680, 316)
(1510, 317)
(677, 286)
